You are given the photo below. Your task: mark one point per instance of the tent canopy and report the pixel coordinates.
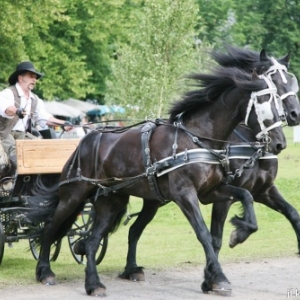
(81, 105)
(106, 109)
(60, 109)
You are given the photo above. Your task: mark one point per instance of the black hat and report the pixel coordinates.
(23, 67)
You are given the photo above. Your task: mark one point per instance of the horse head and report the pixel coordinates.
(276, 70)
(287, 88)
(232, 95)
(264, 115)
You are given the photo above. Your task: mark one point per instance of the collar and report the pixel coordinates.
(21, 92)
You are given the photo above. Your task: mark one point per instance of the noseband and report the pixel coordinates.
(261, 108)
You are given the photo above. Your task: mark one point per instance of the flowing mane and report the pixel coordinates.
(245, 59)
(212, 86)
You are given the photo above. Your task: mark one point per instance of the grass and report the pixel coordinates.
(170, 241)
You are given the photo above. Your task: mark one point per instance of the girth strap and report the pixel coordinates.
(147, 130)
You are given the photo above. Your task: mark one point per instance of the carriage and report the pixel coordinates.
(39, 158)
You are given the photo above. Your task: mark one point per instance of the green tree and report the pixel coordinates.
(70, 41)
(147, 71)
(272, 25)
(215, 21)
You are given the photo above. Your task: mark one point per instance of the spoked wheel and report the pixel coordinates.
(2, 242)
(81, 229)
(35, 249)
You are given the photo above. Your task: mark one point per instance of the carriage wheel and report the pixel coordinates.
(2, 242)
(35, 248)
(80, 231)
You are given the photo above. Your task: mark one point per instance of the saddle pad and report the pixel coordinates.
(44, 156)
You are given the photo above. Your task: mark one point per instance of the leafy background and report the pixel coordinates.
(135, 52)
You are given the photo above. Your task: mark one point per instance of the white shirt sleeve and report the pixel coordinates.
(6, 99)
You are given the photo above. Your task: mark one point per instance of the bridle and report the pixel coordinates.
(263, 109)
(277, 67)
(282, 69)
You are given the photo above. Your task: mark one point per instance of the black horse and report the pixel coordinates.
(259, 179)
(114, 165)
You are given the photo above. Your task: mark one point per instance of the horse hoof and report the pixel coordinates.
(133, 274)
(233, 239)
(222, 288)
(137, 276)
(49, 281)
(99, 292)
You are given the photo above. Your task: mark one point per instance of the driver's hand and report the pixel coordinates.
(21, 112)
(67, 126)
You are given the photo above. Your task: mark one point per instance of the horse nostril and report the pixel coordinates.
(280, 147)
(295, 115)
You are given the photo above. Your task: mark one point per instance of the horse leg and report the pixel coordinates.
(63, 218)
(275, 201)
(44, 273)
(145, 216)
(218, 217)
(109, 212)
(246, 224)
(214, 278)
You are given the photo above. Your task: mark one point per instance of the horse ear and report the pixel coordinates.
(254, 75)
(263, 55)
(285, 60)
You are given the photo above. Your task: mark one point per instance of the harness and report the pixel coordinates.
(147, 131)
(155, 169)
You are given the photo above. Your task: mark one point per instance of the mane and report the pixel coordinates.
(212, 88)
(245, 59)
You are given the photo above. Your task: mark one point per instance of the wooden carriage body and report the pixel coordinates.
(43, 156)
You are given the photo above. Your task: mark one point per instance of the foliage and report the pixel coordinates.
(69, 41)
(162, 48)
(148, 45)
(271, 24)
(215, 21)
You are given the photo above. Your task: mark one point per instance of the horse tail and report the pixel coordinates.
(117, 221)
(44, 201)
(43, 205)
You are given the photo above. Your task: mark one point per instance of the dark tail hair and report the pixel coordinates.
(43, 204)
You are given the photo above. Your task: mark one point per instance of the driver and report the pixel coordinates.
(20, 107)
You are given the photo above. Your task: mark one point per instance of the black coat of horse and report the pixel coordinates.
(258, 180)
(111, 166)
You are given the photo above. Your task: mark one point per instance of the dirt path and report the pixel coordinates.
(268, 279)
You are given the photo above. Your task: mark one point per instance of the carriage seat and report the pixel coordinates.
(48, 133)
